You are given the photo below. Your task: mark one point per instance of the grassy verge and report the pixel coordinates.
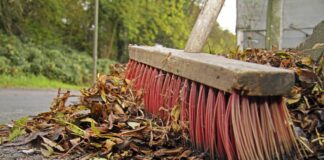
(42, 82)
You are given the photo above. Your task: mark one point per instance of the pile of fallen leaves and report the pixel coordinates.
(108, 122)
(306, 99)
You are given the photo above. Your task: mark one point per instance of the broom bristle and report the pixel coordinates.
(158, 90)
(192, 112)
(210, 128)
(200, 123)
(228, 126)
(138, 79)
(184, 102)
(147, 87)
(219, 112)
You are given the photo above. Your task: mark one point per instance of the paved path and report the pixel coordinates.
(16, 103)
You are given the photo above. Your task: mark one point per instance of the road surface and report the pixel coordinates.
(16, 103)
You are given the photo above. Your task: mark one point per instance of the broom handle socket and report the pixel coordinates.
(203, 25)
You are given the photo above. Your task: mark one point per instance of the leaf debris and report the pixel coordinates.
(108, 122)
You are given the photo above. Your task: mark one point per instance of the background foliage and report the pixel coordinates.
(61, 63)
(54, 37)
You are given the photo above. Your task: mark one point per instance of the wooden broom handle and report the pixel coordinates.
(203, 25)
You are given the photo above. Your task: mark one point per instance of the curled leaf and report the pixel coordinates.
(53, 144)
(92, 124)
(294, 95)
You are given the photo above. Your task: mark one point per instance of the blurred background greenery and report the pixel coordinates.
(52, 39)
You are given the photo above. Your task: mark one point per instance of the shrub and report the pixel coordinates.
(54, 62)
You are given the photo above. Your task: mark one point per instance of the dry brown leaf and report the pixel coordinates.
(162, 152)
(53, 144)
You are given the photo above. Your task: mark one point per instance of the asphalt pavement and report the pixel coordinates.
(16, 103)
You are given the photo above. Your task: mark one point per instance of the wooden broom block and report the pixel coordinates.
(217, 71)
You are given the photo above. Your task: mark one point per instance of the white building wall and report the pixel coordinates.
(299, 19)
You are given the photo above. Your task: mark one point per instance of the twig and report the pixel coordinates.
(66, 153)
(305, 145)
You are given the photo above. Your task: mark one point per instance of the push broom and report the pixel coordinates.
(234, 109)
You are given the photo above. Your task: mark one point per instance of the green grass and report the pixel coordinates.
(42, 82)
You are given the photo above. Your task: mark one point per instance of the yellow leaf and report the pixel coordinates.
(123, 89)
(84, 92)
(103, 95)
(109, 144)
(175, 112)
(97, 145)
(128, 81)
(118, 110)
(307, 61)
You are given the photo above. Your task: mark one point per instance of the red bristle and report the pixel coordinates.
(166, 85)
(128, 67)
(192, 111)
(170, 92)
(285, 136)
(253, 121)
(133, 71)
(238, 133)
(200, 118)
(176, 91)
(152, 93)
(283, 144)
(147, 87)
(135, 75)
(252, 145)
(185, 101)
(219, 122)
(210, 131)
(256, 120)
(158, 90)
(139, 74)
(229, 145)
(269, 130)
(144, 77)
(256, 130)
(291, 139)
